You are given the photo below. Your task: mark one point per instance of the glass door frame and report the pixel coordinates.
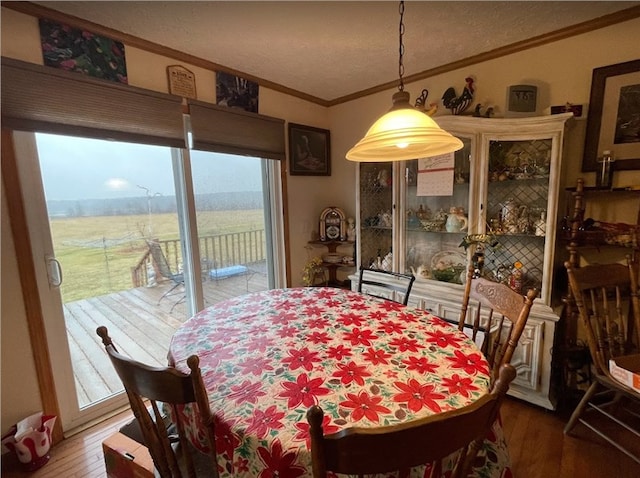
(71, 417)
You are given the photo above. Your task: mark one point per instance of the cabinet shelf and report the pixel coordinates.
(593, 189)
(422, 229)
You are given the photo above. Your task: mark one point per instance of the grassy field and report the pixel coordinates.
(97, 253)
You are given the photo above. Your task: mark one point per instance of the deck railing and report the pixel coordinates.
(216, 252)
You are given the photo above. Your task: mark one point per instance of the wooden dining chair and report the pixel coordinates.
(172, 456)
(603, 295)
(363, 451)
(387, 285)
(499, 319)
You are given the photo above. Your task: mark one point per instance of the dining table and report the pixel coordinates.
(266, 357)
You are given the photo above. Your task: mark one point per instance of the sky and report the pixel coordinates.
(82, 168)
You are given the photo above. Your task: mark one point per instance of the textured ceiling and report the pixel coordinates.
(333, 49)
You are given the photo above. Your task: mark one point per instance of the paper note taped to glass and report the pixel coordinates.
(435, 175)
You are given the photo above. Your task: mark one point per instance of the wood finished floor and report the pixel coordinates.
(537, 445)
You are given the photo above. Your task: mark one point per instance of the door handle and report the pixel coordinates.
(54, 271)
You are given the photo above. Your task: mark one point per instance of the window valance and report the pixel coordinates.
(227, 130)
(45, 99)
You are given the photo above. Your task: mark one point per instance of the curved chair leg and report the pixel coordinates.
(580, 408)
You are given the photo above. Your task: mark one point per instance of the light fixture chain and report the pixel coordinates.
(401, 33)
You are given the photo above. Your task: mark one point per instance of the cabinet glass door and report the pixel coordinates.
(516, 210)
(435, 224)
(376, 213)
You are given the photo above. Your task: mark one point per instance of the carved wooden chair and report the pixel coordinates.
(392, 286)
(604, 297)
(499, 318)
(363, 451)
(172, 456)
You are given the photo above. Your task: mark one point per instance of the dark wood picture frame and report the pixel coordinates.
(309, 151)
(607, 113)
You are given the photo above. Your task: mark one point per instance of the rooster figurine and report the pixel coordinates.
(458, 104)
(421, 101)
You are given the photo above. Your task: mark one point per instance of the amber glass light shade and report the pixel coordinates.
(403, 133)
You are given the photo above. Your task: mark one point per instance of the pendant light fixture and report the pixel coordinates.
(404, 132)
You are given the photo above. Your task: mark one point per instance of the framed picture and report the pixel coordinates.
(613, 122)
(236, 92)
(74, 49)
(309, 151)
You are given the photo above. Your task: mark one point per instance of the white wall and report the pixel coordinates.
(562, 72)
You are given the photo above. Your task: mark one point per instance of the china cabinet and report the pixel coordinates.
(498, 196)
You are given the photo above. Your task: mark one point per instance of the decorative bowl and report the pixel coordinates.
(450, 274)
(332, 258)
(447, 266)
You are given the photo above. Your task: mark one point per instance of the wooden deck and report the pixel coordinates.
(140, 324)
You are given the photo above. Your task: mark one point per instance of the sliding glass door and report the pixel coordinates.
(234, 226)
(112, 225)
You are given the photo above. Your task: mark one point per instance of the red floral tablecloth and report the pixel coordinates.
(267, 357)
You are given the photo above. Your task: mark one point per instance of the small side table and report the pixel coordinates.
(332, 267)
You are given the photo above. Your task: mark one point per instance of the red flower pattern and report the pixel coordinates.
(472, 363)
(317, 323)
(339, 352)
(405, 344)
(378, 315)
(420, 365)
(319, 338)
(360, 337)
(301, 359)
(303, 391)
(279, 464)
(417, 395)
(391, 327)
(289, 331)
(313, 311)
(246, 392)
(259, 344)
(377, 357)
(351, 319)
(364, 406)
(443, 339)
(263, 421)
(459, 385)
(256, 366)
(351, 373)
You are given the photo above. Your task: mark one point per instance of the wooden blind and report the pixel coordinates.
(228, 130)
(45, 99)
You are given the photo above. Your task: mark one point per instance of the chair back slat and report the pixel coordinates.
(603, 296)
(363, 451)
(164, 386)
(501, 313)
(633, 324)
